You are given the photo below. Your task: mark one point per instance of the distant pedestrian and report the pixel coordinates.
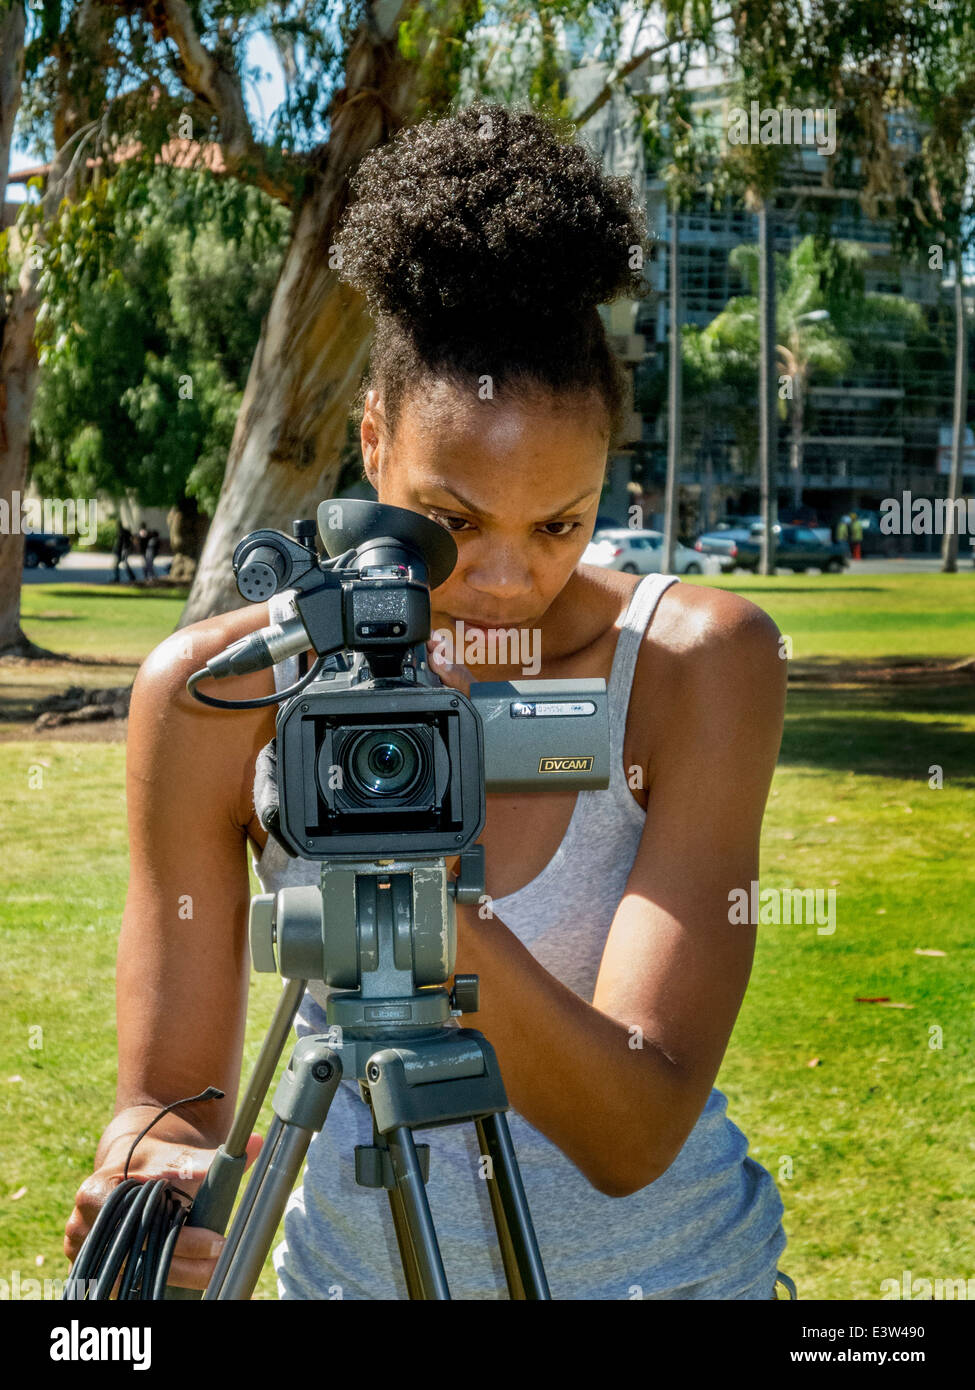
(149, 553)
(142, 541)
(843, 532)
(856, 535)
(122, 549)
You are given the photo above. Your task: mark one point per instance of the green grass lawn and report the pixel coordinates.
(871, 1147)
(105, 630)
(895, 616)
(100, 621)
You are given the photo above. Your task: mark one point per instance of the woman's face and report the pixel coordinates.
(516, 485)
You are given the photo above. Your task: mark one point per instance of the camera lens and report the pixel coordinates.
(384, 762)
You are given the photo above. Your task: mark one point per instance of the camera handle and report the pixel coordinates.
(387, 929)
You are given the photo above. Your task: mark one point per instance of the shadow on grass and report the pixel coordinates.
(87, 591)
(882, 731)
(795, 589)
(57, 618)
(835, 666)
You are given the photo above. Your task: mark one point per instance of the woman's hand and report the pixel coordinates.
(456, 675)
(181, 1163)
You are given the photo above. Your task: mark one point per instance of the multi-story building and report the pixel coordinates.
(869, 434)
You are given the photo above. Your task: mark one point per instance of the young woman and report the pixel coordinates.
(610, 976)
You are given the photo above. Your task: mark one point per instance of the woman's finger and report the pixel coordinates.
(198, 1243)
(190, 1274)
(453, 674)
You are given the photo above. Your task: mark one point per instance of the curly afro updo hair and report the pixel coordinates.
(483, 243)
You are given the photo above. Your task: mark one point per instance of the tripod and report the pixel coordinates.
(382, 933)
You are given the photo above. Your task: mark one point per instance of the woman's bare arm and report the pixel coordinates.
(673, 965)
(183, 968)
(183, 962)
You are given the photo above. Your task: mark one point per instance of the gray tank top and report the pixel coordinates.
(710, 1227)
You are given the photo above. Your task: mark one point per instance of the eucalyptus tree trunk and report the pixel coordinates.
(949, 544)
(18, 351)
(285, 453)
(18, 362)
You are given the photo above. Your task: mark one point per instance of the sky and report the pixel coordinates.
(262, 101)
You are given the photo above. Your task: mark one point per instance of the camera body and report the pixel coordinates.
(375, 757)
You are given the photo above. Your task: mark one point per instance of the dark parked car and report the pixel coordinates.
(797, 548)
(724, 544)
(44, 548)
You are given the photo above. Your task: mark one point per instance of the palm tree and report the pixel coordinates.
(821, 310)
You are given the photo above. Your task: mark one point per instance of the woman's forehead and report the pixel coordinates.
(497, 419)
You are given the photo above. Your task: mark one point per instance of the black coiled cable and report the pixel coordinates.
(135, 1233)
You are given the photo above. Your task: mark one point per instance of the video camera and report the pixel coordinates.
(373, 755)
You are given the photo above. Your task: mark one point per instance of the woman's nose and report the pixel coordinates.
(501, 571)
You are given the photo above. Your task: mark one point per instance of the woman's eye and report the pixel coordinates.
(459, 523)
(446, 520)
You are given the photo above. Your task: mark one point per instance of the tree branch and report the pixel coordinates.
(631, 65)
(205, 76)
(12, 27)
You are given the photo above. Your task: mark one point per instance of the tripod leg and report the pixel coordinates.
(242, 1216)
(411, 1270)
(416, 1211)
(254, 1239)
(509, 1258)
(516, 1234)
(301, 1104)
(214, 1200)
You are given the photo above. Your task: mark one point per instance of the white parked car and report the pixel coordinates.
(640, 552)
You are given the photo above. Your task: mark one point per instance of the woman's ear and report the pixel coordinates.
(371, 437)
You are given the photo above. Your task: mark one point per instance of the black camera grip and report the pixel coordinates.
(266, 793)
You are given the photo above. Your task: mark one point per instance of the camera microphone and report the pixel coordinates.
(260, 649)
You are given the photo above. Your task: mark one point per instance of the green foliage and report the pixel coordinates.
(900, 75)
(815, 278)
(105, 533)
(153, 293)
(720, 362)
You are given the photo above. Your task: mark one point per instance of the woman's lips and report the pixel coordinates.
(485, 623)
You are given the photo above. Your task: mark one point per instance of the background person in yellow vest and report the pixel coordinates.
(843, 531)
(856, 535)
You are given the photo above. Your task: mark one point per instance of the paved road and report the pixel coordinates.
(81, 567)
(911, 564)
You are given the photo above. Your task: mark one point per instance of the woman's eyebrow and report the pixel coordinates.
(472, 507)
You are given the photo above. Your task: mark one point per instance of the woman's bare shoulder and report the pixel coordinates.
(693, 620)
(200, 745)
(689, 618)
(706, 650)
(181, 653)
